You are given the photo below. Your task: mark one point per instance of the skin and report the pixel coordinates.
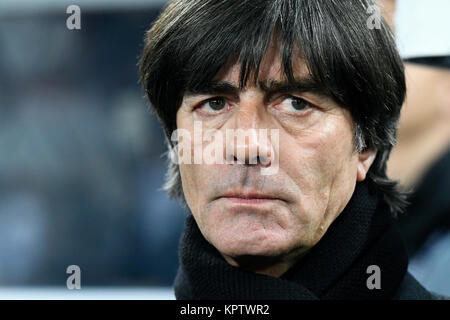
(318, 170)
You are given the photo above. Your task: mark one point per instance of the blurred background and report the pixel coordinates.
(421, 158)
(81, 162)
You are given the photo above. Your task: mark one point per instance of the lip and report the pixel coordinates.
(249, 198)
(254, 201)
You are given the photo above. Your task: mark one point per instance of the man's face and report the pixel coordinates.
(242, 212)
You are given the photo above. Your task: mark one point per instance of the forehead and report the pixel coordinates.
(271, 67)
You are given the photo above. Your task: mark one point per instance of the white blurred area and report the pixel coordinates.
(419, 35)
(94, 293)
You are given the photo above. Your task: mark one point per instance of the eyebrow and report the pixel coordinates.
(219, 87)
(298, 85)
(215, 87)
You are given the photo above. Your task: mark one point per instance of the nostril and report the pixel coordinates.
(251, 161)
(239, 160)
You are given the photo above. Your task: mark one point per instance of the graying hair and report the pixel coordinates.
(358, 68)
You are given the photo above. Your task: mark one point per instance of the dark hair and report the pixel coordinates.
(359, 67)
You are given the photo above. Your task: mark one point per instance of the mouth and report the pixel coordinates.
(252, 198)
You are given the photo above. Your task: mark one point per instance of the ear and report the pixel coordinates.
(365, 160)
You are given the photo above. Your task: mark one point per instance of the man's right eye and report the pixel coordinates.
(213, 106)
(216, 104)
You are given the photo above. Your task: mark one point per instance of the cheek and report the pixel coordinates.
(188, 171)
(309, 170)
(188, 182)
(194, 180)
(315, 157)
(322, 163)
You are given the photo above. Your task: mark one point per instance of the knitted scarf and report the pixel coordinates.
(363, 235)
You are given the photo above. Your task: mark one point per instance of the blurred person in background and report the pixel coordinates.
(421, 159)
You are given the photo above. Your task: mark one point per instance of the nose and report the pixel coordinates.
(247, 137)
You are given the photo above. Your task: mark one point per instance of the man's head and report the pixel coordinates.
(313, 71)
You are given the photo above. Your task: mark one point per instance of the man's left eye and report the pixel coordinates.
(294, 104)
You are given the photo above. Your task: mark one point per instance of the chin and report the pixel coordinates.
(268, 246)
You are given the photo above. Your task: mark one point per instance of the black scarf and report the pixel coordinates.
(364, 234)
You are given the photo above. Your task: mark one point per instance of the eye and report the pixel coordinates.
(216, 104)
(294, 106)
(213, 106)
(294, 103)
